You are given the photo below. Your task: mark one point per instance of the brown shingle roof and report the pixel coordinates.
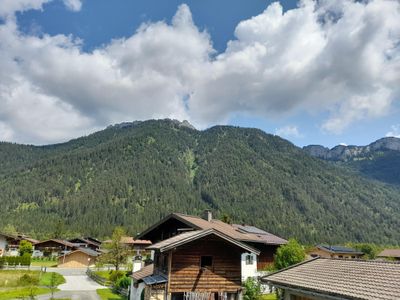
(390, 253)
(146, 271)
(234, 231)
(187, 237)
(351, 279)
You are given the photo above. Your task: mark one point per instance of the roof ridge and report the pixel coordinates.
(362, 260)
(292, 266)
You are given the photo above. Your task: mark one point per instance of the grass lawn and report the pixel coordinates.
(13, 285)
(107, 294)
(268, 297)
(12, 293)
(40, 263)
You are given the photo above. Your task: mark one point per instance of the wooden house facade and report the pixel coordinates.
(200, 264)
(176, 223)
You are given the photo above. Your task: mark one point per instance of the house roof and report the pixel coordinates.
(61, 242)
(390, 253)
(131, 241)
(190, 236)
(339, 249)
(239, 232)
(84, 241)
(146, 271)
(341, 278)
(87, 251)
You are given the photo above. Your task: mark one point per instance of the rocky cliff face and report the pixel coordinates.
(346, 153)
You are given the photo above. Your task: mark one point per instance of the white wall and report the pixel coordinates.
(136, 292)
(3, 244)
(248, 270)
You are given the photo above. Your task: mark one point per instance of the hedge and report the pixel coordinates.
(15, 260)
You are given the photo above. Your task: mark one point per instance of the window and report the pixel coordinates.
(206, 262)
(249, 259)
(340, 256)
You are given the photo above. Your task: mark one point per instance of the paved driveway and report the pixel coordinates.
(77, 286)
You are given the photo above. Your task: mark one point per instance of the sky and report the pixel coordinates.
(314, 72)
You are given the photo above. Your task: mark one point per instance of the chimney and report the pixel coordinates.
(207, 215)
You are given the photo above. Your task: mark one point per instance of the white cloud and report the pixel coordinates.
(74, 5)
(340, 57)
(289, 131)
(394, 132)
(9, 7)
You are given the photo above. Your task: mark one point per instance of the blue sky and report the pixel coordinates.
(73, 67)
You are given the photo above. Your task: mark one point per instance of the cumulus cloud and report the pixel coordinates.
(340, 57)
(74, 5)
(289, 131)
(394, 132)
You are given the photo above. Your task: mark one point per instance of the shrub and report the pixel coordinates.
(123, 282)
(289, 254)
(252, 289)
(115, 275)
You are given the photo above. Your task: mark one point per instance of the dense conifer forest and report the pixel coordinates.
(133, 174)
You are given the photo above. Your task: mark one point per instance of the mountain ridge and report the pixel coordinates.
(133, 176)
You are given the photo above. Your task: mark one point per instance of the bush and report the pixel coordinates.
(289, 254)
(123, 282)
(115, 275)
(252, 289)
(28, 280)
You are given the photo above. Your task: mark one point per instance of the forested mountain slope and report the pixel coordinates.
(134, 174)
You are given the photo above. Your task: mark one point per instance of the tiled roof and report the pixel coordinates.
(61, 242)
(238, 232)
(339, 249)
(146, 271)
(187, 237)
(130, 241)
(390, 253)
(349, 279)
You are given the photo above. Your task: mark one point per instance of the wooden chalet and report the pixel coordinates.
(55, 247)
(197, 264)
(176, 223)
(9, 244)
(202, 258)
(85, 243)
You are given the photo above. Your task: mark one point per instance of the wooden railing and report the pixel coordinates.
(107, 283)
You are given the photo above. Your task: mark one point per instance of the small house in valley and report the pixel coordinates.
(326, 251)
(54, 247)
(86, 243)
(79, 258)
(197, 264)
(9, 244)
(177, 223)
(338, 279)
(201, 258)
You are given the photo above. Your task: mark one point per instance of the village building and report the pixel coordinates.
(202, 258)
(9, 244)
(334, 252)
(198, 264)
(393, 254)
(53, 248)
(177, 223)
(86, 243)
(338, 279)
(79, 258)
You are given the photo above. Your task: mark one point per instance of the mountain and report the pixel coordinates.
(379, 160)
(133, 174)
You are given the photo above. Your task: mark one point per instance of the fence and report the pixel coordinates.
(107, 283)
